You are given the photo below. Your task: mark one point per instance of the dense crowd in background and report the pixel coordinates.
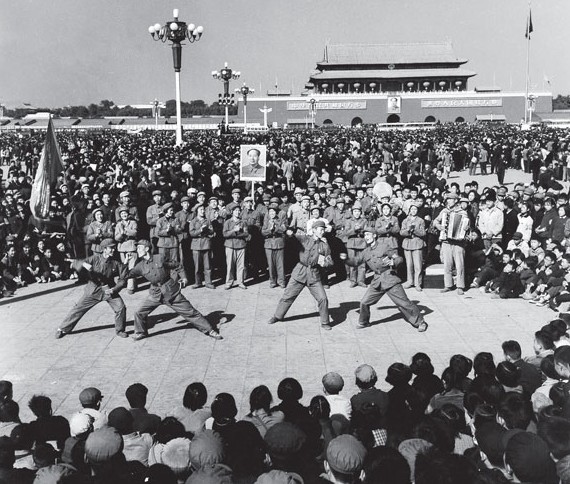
(479, 422)
(127, 187)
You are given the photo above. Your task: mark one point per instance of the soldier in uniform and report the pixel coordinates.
(125, 199)
(298, 194)
(236, 201)
(254, 255)
(152, 215)
(383, 261)
(102, 270)
(202, 232)
(354, 231)
(273, 231)
(164, 290)
(168, 229)
(98, 230)
(301, 216)
(315, 254)
(387, 228)
(236, 236)
(183, 217)
(212, 210)
(126, 236)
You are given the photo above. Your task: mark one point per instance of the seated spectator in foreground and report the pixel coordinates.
(7, 458)
(48, 427)
(333, 384)
(144, 422)
(136, 446)
(9, 417)
(193, 413)
(530, 377)
(260, 413)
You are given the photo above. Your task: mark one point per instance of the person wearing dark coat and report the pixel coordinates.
(510, 222)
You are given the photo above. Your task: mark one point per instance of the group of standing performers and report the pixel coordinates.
(369, 244)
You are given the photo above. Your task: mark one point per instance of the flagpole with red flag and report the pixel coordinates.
(49, 168)
(529, 30)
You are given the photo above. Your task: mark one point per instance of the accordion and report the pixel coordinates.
(455, 226)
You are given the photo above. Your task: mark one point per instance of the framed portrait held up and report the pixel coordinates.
(252, 162)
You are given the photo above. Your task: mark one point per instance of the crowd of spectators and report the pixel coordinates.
(126, 186)
(480, 422)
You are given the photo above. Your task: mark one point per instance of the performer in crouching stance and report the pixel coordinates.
(382, 261)
(164, 290)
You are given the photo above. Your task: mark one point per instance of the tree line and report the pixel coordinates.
(108, 108)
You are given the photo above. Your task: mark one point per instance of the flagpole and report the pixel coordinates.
(526, 113)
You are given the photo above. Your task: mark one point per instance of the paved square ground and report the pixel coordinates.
(252, 352)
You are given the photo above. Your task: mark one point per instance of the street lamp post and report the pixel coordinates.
(245, 91)
(312, 111)
(156, 111)
(176, 32)
(226, 99)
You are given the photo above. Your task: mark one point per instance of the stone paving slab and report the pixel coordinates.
(252, 352)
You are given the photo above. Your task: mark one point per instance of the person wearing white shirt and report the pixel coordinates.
(333, 383)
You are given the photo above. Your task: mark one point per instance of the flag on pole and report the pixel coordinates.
(529, 28)
(49, 168)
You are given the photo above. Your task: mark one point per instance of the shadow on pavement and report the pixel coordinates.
(16, 298)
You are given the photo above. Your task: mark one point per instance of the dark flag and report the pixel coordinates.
(529, 28)
(49, 168)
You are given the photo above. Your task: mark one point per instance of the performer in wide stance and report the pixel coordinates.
(164, 290)
(102, 270)
(382, 261)
(315, 254)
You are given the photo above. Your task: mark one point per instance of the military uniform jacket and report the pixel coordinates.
(236, 237)
(133, 212)
(230, 207)
(96, 232)
(413, 240)
(273, 232)
(300, 219)
(183, 218)
(157, 271)
(167, 230)
(152, 216)
(376, 258)
(125, 235)
(387, 229)
(202, 233)
(354, 231)
(307, 270)
(103, 272)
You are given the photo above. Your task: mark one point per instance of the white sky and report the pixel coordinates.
(60, 52)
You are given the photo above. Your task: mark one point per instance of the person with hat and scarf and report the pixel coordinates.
(102, 270)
